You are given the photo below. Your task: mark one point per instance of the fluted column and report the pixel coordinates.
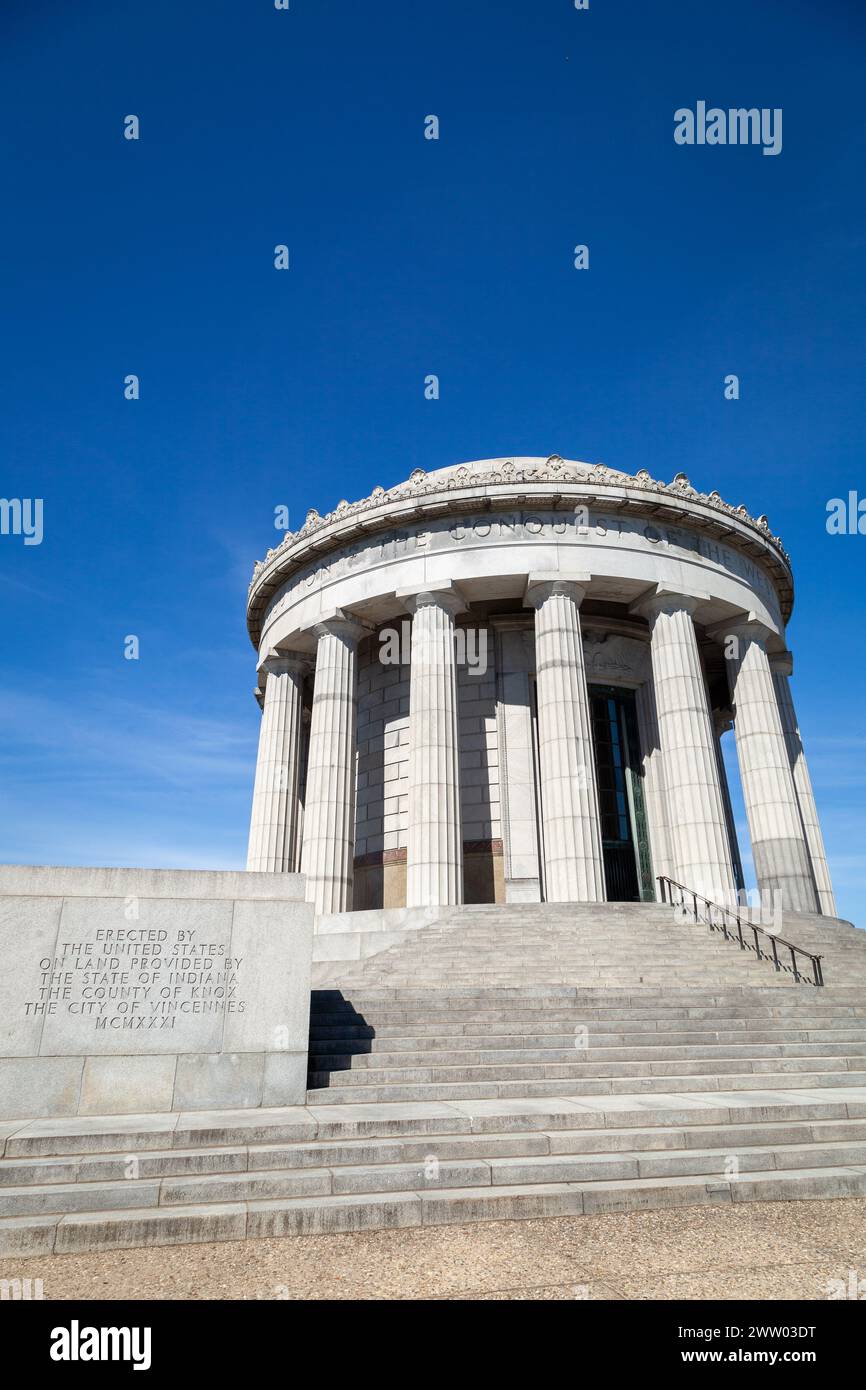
(696, 815)
(654, 781)
(573, 863)
(274, 845)
(779, 848)
(329, 813)
(434, 845)
(781, 665)
(723, 721)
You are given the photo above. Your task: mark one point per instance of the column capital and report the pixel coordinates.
(746, 626)
(446, 596)
(277, 663)
(339, 624)
(667, 598)
(540, 586)
(782, 663)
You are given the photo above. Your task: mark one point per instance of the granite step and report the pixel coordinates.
(688, 1029)
(489, 996)
(493, 997)
(124, 1138)
(398, 1023)
(438, 1003)
(575, 1070)
(79, 1232)
(433, 1172)
(376, 1045)
(105, 1170)
(120, 1182)
(489, 1000)
(596, 1086)
(792, 995)
(331, 1064)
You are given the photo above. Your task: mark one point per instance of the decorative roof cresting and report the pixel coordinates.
(554, 469)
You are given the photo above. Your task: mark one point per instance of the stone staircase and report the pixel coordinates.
(409, 1045)
(841, 945)
(500, 1064)
(612, 944)
(625, 943)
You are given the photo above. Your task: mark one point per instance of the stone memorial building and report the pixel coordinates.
(447, 990)
(507, 682)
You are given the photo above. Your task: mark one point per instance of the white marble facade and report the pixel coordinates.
(434, 662)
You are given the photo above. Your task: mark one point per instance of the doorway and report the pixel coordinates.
(624, 835)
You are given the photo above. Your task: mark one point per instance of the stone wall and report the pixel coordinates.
(142, 990)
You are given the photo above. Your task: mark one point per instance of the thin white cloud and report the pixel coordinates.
(116, 736)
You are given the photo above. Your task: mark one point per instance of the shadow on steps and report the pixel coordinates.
(337, 1034)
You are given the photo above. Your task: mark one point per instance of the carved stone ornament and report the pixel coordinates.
(615, 656)
(554, 469)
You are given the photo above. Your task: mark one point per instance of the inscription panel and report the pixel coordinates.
(115, 999)
(148, 976)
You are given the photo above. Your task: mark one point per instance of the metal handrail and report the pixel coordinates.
(666, 885)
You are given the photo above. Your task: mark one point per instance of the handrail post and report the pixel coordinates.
(775, 954)
(758, 952)
(794, 965)
(740, 932)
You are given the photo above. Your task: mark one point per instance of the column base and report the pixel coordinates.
(782, 866)
(522, 890)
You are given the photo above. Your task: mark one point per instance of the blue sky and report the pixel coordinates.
(409, 257)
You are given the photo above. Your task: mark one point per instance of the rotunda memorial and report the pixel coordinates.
(507, 682)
